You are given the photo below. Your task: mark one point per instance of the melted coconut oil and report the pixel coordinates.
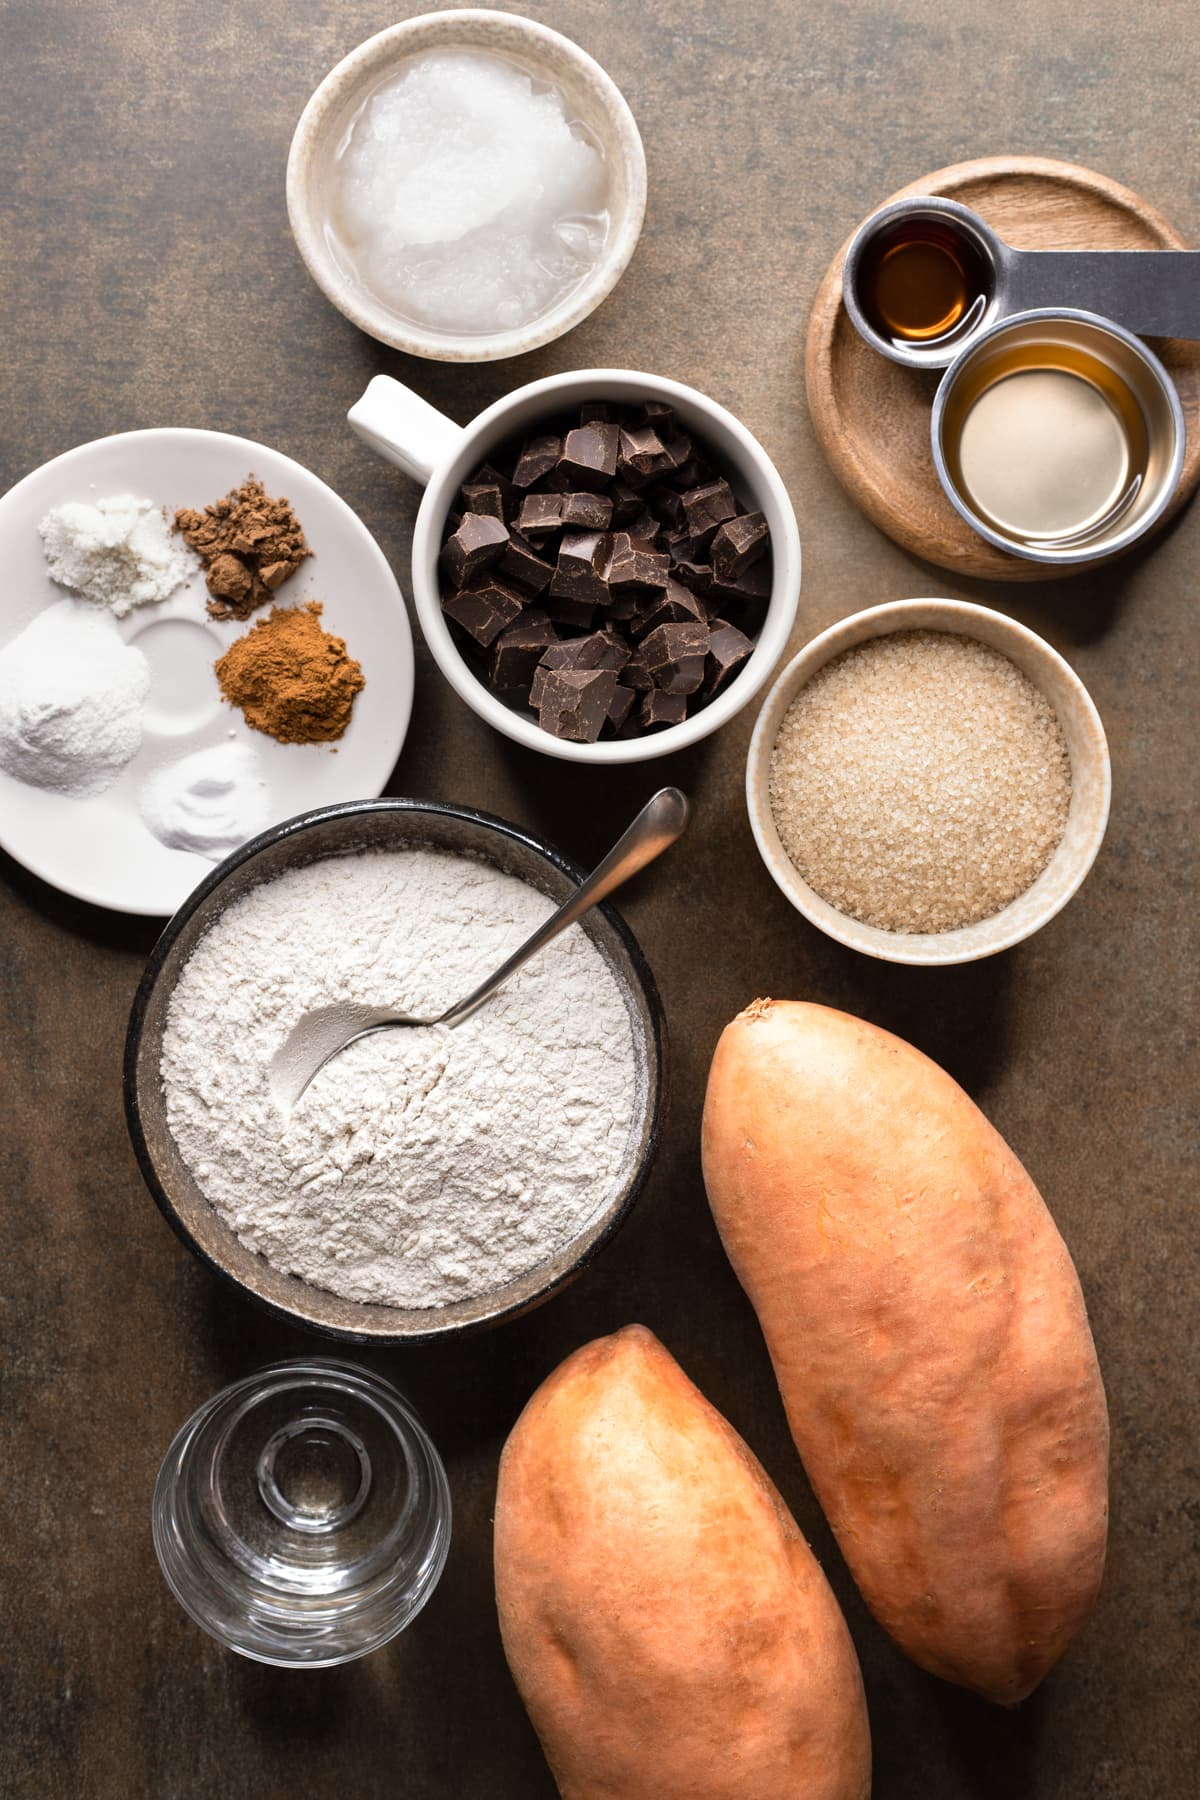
(463, 198)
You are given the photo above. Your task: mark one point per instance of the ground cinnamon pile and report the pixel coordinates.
(248, 544)
(292, 679)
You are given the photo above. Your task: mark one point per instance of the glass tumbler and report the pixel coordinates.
(302, 1515)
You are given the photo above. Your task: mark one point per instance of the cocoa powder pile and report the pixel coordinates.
(248, 543)
(292, 679)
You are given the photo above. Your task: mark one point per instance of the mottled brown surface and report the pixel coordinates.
(148, 278)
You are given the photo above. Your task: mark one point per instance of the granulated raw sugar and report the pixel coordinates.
(920, 782)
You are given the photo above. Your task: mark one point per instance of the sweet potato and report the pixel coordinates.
(928, 1334)
(668, 1627)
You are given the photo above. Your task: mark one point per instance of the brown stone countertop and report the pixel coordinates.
(149, 278)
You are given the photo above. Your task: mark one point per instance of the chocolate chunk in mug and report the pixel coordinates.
(579, 573)
(589, 454)
(484, 609)
(707, 508)
(538, 457)
(659, 708)
(519, 648)
(574, 703)
(635, 563)
(728, 649)
(739, 543)
(474, 547)
(523, 566)
(587, 512)
(540, 513)
(674, 655)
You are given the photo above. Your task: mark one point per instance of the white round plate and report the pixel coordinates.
(98, 848)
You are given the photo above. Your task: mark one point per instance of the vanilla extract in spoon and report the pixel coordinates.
(923, 283)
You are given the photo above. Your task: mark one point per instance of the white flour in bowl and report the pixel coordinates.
(422, 1166)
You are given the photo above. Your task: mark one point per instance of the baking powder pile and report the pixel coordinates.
(208, 802)
(421, 1166)
(71, 693)
(116, 552)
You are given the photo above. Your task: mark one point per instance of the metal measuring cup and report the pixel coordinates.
(1155, 293)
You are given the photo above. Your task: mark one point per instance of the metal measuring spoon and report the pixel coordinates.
(325, 1032)
(1155, 293)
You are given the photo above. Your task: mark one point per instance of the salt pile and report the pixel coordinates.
(463, 198)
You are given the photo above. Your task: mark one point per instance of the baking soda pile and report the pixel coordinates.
(421, 1166)
(464, 200)
(920, 782)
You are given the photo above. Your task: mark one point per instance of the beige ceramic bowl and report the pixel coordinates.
(590, 96)
(1091, 783)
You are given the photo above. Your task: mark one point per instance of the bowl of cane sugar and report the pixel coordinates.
(429, 1179)
(466, 185)
(928, 782)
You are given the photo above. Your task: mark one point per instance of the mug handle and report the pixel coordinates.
(405, 429)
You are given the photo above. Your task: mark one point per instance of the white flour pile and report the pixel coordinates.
(421, 1166)
(71, 693)
(464, 199)
(116, 552)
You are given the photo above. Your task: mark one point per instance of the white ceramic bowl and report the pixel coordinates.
(1091, 783)
(434, 450)
(590, 95)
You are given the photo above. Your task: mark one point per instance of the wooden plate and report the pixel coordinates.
(872, 415)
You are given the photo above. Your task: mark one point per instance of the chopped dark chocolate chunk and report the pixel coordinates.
(537, 458)
(483, 497)
(674, 606)
(678, 452)
(614, 567)
(640, 452)
(658, 413)
(519, 648)
(589, 454)
(706, 508)
(689, 474)
(636, 564)
(659, 708)
(737, 545)
(666, 505)
(636, 673)
(522, 564)
(484, 609)
(540, 513)
(674, 655)
(620, 706)
(475, 546)
(589, 512)
(579, 574)
(728, 649)
(695, 575)
(626, 501)
(580, 615)
(599, 650)
(574, 703)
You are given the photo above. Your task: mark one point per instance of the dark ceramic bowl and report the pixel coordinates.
(334, 831)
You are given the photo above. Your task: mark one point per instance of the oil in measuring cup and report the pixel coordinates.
(1051, 447)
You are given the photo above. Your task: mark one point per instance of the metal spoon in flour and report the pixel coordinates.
(325, 1032)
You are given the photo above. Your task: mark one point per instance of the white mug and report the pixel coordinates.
(437, 452)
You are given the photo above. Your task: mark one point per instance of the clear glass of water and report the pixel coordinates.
(302, 1515)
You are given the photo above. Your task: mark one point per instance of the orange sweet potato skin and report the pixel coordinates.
(928, 1335)
(668, 1628)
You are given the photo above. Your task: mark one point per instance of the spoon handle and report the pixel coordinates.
(1153, 292)
(655, 829)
